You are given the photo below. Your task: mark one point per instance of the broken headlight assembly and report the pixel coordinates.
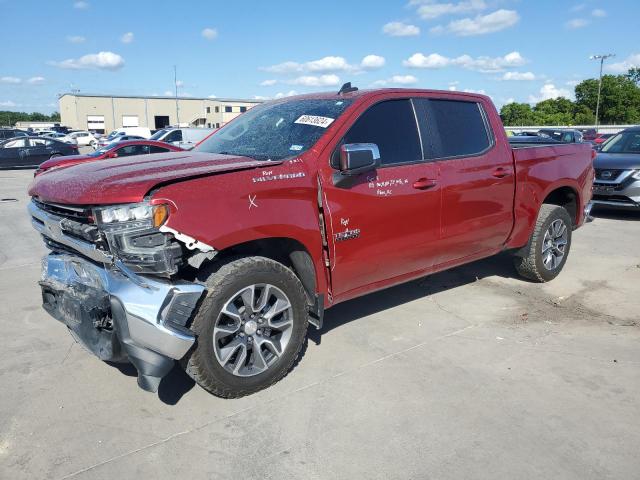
(133, 235)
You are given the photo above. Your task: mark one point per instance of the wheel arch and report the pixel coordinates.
(567, 197)
(288, 251)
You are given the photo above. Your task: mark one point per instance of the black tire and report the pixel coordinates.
(223, 281)
(55, 155)
(529, 262)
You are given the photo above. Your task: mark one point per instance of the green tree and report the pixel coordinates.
(619, 99)
(514, 114)
(634, 74)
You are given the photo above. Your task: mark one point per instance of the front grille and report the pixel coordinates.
(79, 214)
(608, 174)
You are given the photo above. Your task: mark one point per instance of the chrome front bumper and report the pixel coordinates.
(48, 225)
(111, 310)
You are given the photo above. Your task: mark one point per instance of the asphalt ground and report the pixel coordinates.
(468, 374)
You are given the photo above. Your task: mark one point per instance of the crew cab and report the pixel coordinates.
(222, 256)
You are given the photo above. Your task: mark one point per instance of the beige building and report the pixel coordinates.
(104, 113)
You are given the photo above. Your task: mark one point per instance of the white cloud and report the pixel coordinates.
(481, 24)
(549, 91)
(371, 62)
(268, 83)
(576, 23)
(75, 39)
(430, 9)
(326, 64)
(213, 96)
(127, 37)
(286, 94)
(179, 83)
(81, 5)
(396, 80)
(471, 90)
(210, 33)
(631, 61)
(36, 81)
(517, 76)
(598, 13)
(328, 80)
(10, 80)
(169, 93)
(261, 97)
(481, 64)
(99, 61)
(572, 83)
(400, 29)
(8, 103)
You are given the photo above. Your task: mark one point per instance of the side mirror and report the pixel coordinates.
(357, 158)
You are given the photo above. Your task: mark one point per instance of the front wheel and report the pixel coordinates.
(250, 327)
(549, 245)
(55, 155)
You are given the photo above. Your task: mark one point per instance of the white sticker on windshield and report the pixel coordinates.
(295, 148)
(314, 120)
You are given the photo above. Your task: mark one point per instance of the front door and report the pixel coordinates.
(385, 225)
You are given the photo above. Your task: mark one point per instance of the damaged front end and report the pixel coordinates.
(111, 278)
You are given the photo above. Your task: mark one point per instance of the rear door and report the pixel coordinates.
(476, 177)
(39, 150)
(385, 225)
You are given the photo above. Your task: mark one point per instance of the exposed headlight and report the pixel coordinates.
(155, 215)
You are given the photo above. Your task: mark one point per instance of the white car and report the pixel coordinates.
(81, 138)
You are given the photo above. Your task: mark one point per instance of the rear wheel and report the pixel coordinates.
(549, 245)
(54, 156)
(250, 327)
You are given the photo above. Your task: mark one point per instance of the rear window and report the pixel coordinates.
(460, 128)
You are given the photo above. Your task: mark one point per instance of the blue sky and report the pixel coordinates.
(510, 49)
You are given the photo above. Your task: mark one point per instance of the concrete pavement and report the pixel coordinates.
(470, 373)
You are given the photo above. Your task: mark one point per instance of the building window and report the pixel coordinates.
(208, 109)
(217, 125)
(217, 109)
(228, 109)
(243, 109)
(208, 125)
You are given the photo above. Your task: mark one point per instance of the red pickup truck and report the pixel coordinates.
(222, 256)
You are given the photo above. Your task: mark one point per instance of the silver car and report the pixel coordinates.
(617, 166)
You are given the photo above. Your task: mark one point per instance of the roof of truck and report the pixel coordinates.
(334, 95)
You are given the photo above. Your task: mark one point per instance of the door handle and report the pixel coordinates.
(424, 183)
(501, 172)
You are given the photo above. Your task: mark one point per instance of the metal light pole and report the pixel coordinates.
(175, 82)
(602, 58)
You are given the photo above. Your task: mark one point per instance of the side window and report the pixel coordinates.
(131, 150)
(459, 128)
(391, 125)
(175, 136)
(155, 149)
(19, 143)
(38, 142)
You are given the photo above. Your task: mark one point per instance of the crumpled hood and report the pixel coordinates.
(129, 179)
(618, 161)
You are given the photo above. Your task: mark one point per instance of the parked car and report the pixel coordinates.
(185, 138)
(617, 166)
(589, 134)
(32, 151)
(137, 131)
(104, 141)
(289, 209)
(6, 133)
(601, 138)
(564, 135)
(113, 150)
(81, 138)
